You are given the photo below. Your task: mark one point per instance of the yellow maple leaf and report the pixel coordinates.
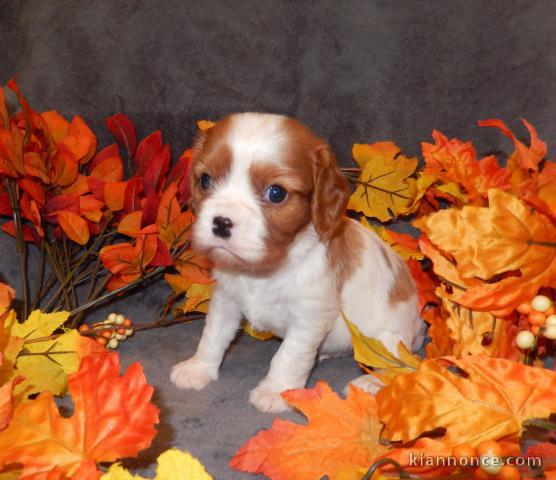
(403, 244)
(173, 464)
(372, 353)
(384, 190)
(197, 300)
(38, 324)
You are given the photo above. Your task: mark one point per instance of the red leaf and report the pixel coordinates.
(28, 233)
(179, 174)
(162, 257)
(59, 203)
(5, 205)
(74, 227)
(147, 148)
(150, 209)
(155, 171)
(97, 188)
(106, 152)
(35, 191)
(426, 284)
(121, 126)
(132, 201)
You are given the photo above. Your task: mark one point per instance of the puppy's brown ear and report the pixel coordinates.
(330, 195)
(197, 148)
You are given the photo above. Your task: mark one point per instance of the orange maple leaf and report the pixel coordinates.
(173, 224)
(456, 161)
(112, 418)
(480, 249)
(338, 433)
(492, 402)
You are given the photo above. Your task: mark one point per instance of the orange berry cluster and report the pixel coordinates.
(488, 455)
(109, 332)
(541, 316)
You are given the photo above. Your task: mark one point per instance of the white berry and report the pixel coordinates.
(119, 319)
(120, 337)
(525, 339)
(541, 303)
(112, 317)
(113, 343)
(550, 332)
(491, 464)
(551, 320)
(129, 332)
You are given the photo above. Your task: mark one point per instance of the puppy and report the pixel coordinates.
(270, 203)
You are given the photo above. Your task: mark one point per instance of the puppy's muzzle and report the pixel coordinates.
(222, 227)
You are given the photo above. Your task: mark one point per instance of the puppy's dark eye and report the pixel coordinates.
(275, 194)
(205, 181)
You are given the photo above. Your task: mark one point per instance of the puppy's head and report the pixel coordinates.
(257, 180)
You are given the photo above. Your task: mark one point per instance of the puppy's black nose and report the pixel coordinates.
(222, 227)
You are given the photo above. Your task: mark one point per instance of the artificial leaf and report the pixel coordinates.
(197, 300)
(114, 195)
(121, 126)
(455, 161)
(81, 141)
(146, 150)
(110, 169)
(35, 191)
(7, 295)
(173, 224)
(171, 465)
(526, 157)
(64, 167)
(195, 267)
(74, 227)
(372, 353)
(257, 334)
(426, 284)
(11, 148)
(4, 115)
(478, 333)
(404, 245)
(492, 402)
(339, 433)
(130, 224)
(441, 343)
(57, 125)
(489, 243)
(155, 170)
(384, 190)
(364, 153)
(180, 173)
(7, 400)
(34, 165)
(112, 418)
(205, 125)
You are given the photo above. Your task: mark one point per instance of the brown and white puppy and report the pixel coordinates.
(270, 203)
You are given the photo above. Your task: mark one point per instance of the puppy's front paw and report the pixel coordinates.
(192, 374)
(266, 398)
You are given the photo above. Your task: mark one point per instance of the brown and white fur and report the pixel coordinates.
(290, 268)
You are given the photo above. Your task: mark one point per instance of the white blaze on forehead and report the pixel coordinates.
(256, 137)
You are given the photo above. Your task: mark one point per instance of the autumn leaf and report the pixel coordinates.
(171, 465)
(426, 284)
(74, 227)
(257, 334)
(404, 245)
(173, 224)
(7, 295)
(441, 344)
(4, 115)
(339, 433)
(372, 353)
(526, 157)
(195, 267)
(456, 161)
(123, 129)
(384, 190)
(112, 418)
(7, 400)
(197, 300)
(492, 402)
(478, 333)
(489, 243)
(81, 141)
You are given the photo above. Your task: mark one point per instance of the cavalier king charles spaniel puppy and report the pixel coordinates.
(270, 204)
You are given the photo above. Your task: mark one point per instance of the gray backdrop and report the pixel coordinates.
(355, 71)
